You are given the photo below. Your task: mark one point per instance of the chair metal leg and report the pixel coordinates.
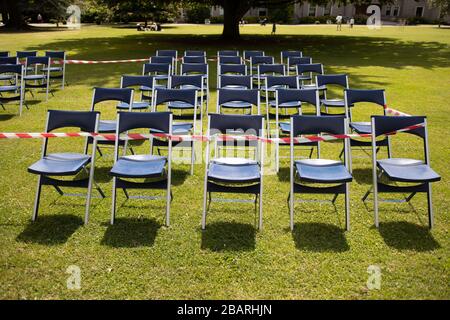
(89, 194)
(291, 209)
(36, 200)
(113, 197)
(192, 157)
(260, 225)
(347, 206)
(430, 207)
(205, 192)
(375, 202)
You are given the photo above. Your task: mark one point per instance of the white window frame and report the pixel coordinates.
(423, 11)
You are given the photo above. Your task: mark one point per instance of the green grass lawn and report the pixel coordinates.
(140, 258)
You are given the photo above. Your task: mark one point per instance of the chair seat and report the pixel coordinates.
(180, 105)
(237, 105)
(361, 127)
(178, 128)
(313, 86)
(304, 78)
(53, 69)
(235, 87)
(107, 126)
(322, 171)
(8, 88)
(139, 166)
(6, 77)
(407, 170)
(332, 102)
(60, 164)
(190, 86)
(289, 104)
(234, 170)
(272, 88)
(35, 77)
(137, 105)
(157, 86)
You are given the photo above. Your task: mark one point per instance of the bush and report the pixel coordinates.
(282, 14)
(198, 14)
(419, 20)
(251, 19)
(218, 19)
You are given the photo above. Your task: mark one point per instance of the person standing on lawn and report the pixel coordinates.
(274, 28)
(339, 23)
(352, 22)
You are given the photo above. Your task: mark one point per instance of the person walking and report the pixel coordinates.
(339, 23)
(352, 22)
(274, 28)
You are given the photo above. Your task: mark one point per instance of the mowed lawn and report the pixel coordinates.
(139, 258)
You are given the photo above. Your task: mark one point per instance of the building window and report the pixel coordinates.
(419, 12)
(262, 13)
(396, 11)
(312, 11)
(388, 11)
(327, 10)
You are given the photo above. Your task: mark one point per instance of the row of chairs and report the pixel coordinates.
(232, 174)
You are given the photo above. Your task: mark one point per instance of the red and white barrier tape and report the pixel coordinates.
(179, 138)
(395, 112)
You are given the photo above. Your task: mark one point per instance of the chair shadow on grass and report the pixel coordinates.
(363, 175)
(319, 237)
(131, 233)
(50, 230)
(403, 235)
(229, 236)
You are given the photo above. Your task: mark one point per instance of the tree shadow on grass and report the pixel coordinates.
(333, 51)
(363, 175)
(131, 233)
(319, 237)
(408, 236)
(228, 236)
(50, 230)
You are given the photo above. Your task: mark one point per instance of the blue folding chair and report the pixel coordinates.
(324, 81)
(153, 171)
(146, 82)
(230, 69)
(190, 82)
(102, 95)
(234, 174)
(198, 69)
(163, 59)
(235, 82)
(256, 61)
(4, 53)
(170, 53)
(229, 60)
(252, 53)
(194, 59)
(6, 76)
(286, 54)
(57, 67)
(8, 60)
(292, 63)
(179, 99)
(305, 173)
(293, 99)
(270, 69)
(194, 53)
(52, 166)
(352, 98)
(161, 71)
(22, 55)
(415, 175)
(311, 69)
(238, 99)
(13, 91)
(39, 79)
(227, 53)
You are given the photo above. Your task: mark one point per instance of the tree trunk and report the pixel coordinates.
(15, 16)
(233, 11)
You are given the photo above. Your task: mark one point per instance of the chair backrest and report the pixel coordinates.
(221, 123)
(271, 69)
(334, 79)
(131, 81)
(290, 82)
(30, 61)
(229, 60)
(194, 68)
(8, 60)
(310, 96)
(193, 80)
(285, 54)
(312, 67)
(376, 96)
(25, 54)
(111, 94)
(194, 59)
(4, 53)
(232, 68)
(86, 121)
(171, 95)
(160, 121)
(256, 60)
(231, 95)
(253, 53)
(161, 59)
(194, 53)
(11, 68)
(293, 61)
(56, 55)
(235, 80)
(167, 53)
(225, 53)
(156, 68)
